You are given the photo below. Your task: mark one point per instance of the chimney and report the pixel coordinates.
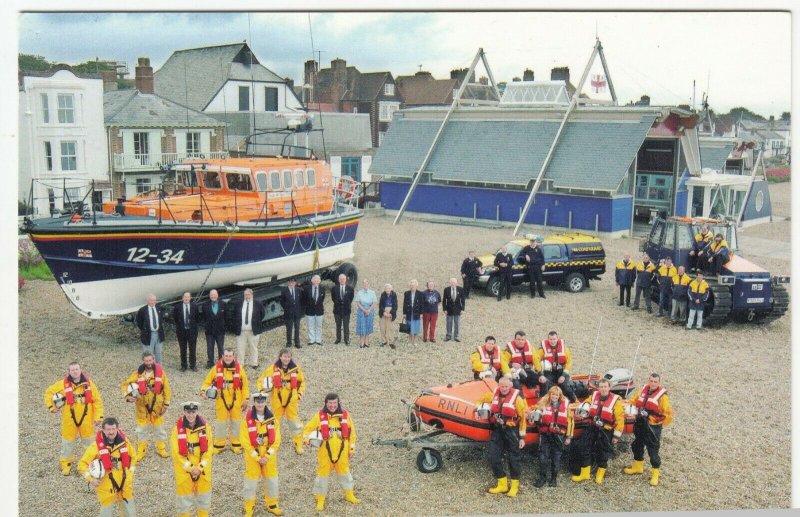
(515, 80)
(772, 121)
(560, 74)
(339, 81)
(644, 101)
(289, 82)
(423, 75)
(461, 74)
(484, 80)
(144, 76)
(527, 75)
(109, 80)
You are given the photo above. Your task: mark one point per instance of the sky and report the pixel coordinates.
(655, 53)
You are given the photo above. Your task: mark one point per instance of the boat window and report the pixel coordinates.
(685, 236)
(311, 177)
(239, 181)
(299, 178)
(211, 179)
(287, 179)
(669, 238)
(274, 180)
(261, 178)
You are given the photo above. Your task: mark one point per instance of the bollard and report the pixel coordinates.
(498, 213)
(569, 224)
(597, 224)
(545, 217)
(474, 211)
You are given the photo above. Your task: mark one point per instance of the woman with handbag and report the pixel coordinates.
(365, 314)
(413, 302)
(387, 308)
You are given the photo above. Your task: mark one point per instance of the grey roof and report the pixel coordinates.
(592, 155)
(713, 157)
(194, 76)
(131, 108)
(770, 135)
(369, 86)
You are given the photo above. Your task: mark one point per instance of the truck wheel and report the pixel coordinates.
(493, 286)
(429, 460)
(349, 270)
(575, 282)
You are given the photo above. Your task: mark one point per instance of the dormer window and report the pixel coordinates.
(388, 89)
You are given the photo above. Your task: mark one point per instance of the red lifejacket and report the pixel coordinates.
(69, 388)
(506, 407)
(525, 357)
(183, 443)
(554, 422)
(237, 375)
(604, 409)
(277, 378)
(559, 355)
(325, 428)
(492, 360)
(158, 375)
(252, 427)
(648, 401)
(105, 456)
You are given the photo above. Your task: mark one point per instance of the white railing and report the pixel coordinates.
(132, 161)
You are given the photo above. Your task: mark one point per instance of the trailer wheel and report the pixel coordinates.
(349, 270)
(429, 460)
(414, 421)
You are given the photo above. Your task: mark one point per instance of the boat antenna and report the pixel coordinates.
(225, 108)
(252, 74)
(315, 86)
(635, 357)
(591, 366)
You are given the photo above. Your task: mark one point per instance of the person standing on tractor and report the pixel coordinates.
(655, 413)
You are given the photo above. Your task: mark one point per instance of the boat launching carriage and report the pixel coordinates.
(255, 219)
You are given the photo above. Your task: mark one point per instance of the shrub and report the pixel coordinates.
(779, 175)
(30, 263)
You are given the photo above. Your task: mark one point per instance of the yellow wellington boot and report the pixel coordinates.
(601, 473)
(320, 502)
(249, 507)
(272, 506)
(202, 513)
(219, 446)
(298, 444)
(236, 447)
(586, 473)
(66, 465)
(512, 492)
(183, 515)
(501, 488)
(350, 497)
(161, 449)
(637, 467)
(654, 478)
(141, 450)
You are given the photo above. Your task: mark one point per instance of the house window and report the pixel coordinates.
(387, 109)
(48, 156)
(244, 98)
(72, 196)
(388, 89)
(141, 148)
(351, 166)
(66, 108)
(381, 136)
(192, 144)
(143, 185)
(45, 109)
(69, 156)
(270, 98)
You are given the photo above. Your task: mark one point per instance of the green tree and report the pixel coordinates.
(32, 63)
(786, 116)
(740, 112)
(91, 67)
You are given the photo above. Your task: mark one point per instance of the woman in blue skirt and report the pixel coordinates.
(365, 313)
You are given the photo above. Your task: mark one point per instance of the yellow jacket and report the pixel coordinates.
(477, 364)
(150, 399)
(259, 451)
(538, 356)
(664, 409)
(94, 412)
(335, 440)
(227, 392)
(281, 393)
(521, 405)
(105, 490)
(619, 418)
(183, 465)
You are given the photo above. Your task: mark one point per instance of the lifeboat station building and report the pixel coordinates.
(610, 166)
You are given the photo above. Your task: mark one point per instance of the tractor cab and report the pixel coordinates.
(673, 237)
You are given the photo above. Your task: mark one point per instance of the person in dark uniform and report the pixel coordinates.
(645, 271)
(503, 261)
(470, 271)
(556, 425)
(654, 413)
(507, 416)
(213, 313)
(718, 254)
(699, 249)
(608, 421)
(664, 275)
(624, 277)
(292, 303)
(342, 296)
(533, 257)
(185, 316)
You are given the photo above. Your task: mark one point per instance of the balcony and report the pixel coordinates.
(130, 162)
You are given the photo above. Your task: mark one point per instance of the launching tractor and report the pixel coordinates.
(743, 291)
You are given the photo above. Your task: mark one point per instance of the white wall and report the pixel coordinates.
(87, 131)
(228, 97)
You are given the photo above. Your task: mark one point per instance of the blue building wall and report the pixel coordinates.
(615, 214)
(682, 194)
(751, 203)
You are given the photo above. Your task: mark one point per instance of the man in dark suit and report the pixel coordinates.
(292, 303)
(185, 316)
(342, 296)
(150, 320)
(533, 257)
(248, 316)
(213, 314)
(453, 305)
(504, 262)
(313, 301)
(470, 271)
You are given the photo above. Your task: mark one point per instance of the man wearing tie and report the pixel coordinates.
(453, 305)
(247, 325)
(213, 311)
(185, 317)
(342, 296)
(150, 319)
(292, 303)
(314, 298)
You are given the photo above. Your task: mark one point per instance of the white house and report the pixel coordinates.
(62, 143)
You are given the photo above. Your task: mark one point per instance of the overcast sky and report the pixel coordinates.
(740, 58)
